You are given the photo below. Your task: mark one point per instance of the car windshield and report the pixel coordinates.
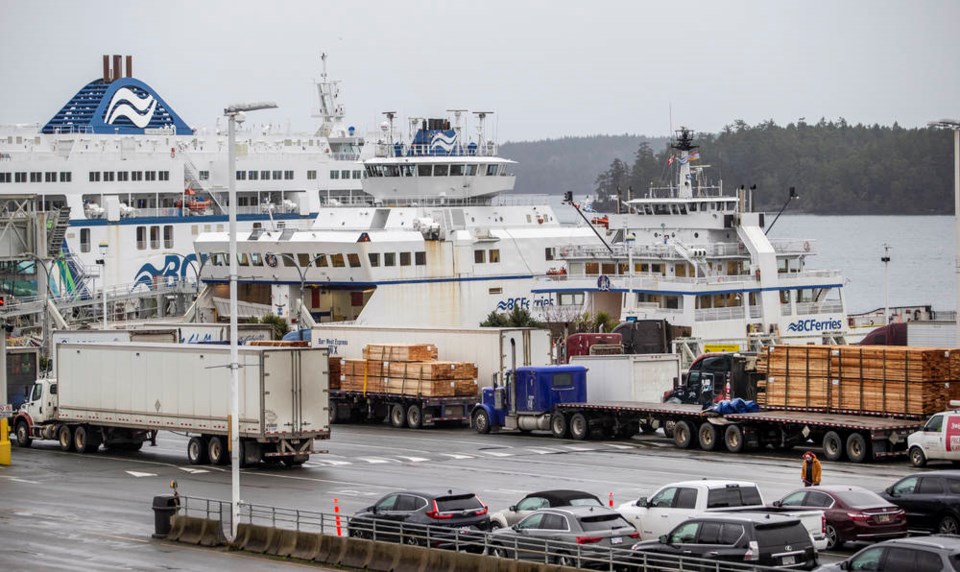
(585, 502)
(733, 496)
(776, 536)
(862, 499)
(457, 503)
(603, 522)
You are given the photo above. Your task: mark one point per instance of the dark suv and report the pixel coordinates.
(435, 519)
(769, 540)
(931, 500)
(919, 554)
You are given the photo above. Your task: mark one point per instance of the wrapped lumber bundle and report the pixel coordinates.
(335, 371)
(400, 352)
(890, 380)
(412, 369)
(362, 375)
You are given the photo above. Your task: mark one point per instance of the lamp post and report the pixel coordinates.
(235, 113)
(886, 282)
(104, 248)
(629, 239)
(303, 280)
(954, 124)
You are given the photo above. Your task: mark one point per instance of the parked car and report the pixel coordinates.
(768, 540)
(852, 513)
(414, 517)
(933, 442)
(931, 501)
(916, 554)
(564, 532)
(539, 500)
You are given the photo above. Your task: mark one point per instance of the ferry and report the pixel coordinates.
(439, 240)
(699, 259)
(127, 184)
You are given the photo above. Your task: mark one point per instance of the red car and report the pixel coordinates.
(852, 513)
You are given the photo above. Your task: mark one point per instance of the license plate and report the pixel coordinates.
(883, 518)
(788, 560)
(616, 540)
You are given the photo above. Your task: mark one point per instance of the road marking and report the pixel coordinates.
(326, 463)
(19, 480)
(193, 471)
(497, 454)
(458, 456)
(574, 448)
(139, 474)
(414, 459)
(376, 460)
(615, 446)
(543, 451)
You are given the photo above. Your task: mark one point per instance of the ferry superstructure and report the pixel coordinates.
(700, 259)
(119, 167)
(440, 241)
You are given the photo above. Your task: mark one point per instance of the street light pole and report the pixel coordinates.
(235, 113)
(954, 124)
(104, 248)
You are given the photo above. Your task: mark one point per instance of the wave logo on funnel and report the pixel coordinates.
(126, 103)
(443, 141)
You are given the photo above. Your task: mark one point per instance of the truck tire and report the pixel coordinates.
(197, 453)
(217, 449)
(579, 427)
(23, 434)
(733, 438)
(858, 449)
(398, 417)
(559, 426)
(917, 458)
(414, 416)
(668, 427)
(65, 436)
(481, 421)
(708, 436)
(832, 446)
(86, 439)
(683, 435)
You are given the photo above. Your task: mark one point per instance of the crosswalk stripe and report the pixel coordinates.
(616, 446)
(414, 459)
(139, 474)
(542, 451)
(575, 448)
(497, 453)
(374, 460)
(458, 456)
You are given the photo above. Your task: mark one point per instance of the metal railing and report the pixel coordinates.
(514, 546)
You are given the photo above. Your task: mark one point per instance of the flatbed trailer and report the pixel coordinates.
(400, 410)
(857, 437)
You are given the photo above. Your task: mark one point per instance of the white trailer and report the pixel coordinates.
(119, 395)
(197, 333)
(629, 377)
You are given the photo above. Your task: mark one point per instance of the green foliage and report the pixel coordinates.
(587, 322)
(280, 326)
(516, 318)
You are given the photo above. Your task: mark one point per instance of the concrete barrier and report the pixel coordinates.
(384, 558)
(256, 538)
(409, 558)
(356, 553)
(285, 543)
(330, 548)
(186, 529)
(212, 534)
(307, 546)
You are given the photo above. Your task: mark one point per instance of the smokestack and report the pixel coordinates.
(117, 67)
(106, 68)
(129, 66)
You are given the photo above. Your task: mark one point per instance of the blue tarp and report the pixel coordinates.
(737, 405)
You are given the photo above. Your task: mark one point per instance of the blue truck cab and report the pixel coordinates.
(527, 398)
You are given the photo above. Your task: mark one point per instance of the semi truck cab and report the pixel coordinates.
(717, 376)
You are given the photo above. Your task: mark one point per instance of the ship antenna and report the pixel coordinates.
(481, 136)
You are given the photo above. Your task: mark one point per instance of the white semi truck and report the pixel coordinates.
(117, 395)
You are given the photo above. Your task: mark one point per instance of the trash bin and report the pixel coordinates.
(164, 507)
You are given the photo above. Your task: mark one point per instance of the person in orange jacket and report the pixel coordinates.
(810, 472)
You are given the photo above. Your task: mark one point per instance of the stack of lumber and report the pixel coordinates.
(408, 369)
(890, 380)
(335, 368)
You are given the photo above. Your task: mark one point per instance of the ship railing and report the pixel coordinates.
(705, 191)
(794, 246)
(363, 199)
(716, 314)
(341, 156)
(826, 307)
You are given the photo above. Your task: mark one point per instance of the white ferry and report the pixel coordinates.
(118, 166)
(440, 241)
(701, 260)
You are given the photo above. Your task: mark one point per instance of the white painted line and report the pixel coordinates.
(616, 446)
(543, 451)
(414, 459)
(19, 480)
(497, 454)
(193, 471)
(139, 474)
(574, 448)
(376, 460)
(326, 463)
(458, 456)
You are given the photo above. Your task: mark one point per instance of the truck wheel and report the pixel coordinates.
(683, 434)
(23, 434)
(217, 449)
(414, 417)
(917, 458)
(65, 436)
(668, 428)
(481, 421)
(858, 450)
(832, 446)
(398, 417)
(85, 440)
(579, 427)
(559, 426)
(708, 436)
(197, 451)
(733, 438)
(646, 428)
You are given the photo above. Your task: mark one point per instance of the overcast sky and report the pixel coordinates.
(548, 69)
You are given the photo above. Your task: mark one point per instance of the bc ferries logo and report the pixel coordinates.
(813, 325)
(174, 268)
(126, 103)
(443, 141)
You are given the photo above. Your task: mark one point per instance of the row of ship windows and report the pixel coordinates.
(37, 177)
(123, 176)
(301, 260)
(428, 170)
(154, 240)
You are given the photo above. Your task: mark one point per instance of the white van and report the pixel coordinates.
(939, 438)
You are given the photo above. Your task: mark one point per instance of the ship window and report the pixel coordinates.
(337, 260)
(494, 290)
(288, 260)
(50, 177)
(353, 259)
(657, 268)
(389, 258)
(311, 175)
(570, 298)
(357, 174)
(420, 258)
(65, 176)
(94, 177)
(154, 237)
(491, 170)
(241, 175)
(320, 261)
(470, 170)
(608, 268)
(288, 175)
(456, 170)
(151, 175)
(243, 259)
(550, 253)
(671, 302)
(5, 178)
(264, 175)
(440, 170)
(404, 259)
(219, 258)
(592, 268)
(494, 256)
(391, 171)
(405, 171)
(277, 175)
(204, 175)
(84, 240)
(374, 259)
(303, 259)
(424, 170)
(168, 236)
(164, 175)
(141, 238)
(693, 207)
(123, 176)
(784, 296)
(344, 174)
(256, 259)
(22, 177)
(334, 175)
(253, 175)
(479, 256)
